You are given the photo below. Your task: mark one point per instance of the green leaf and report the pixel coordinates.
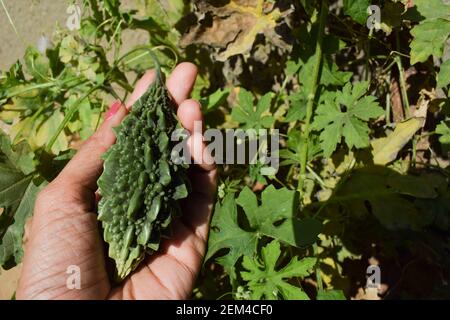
(11, 251)
(295, 143)
(297, 107)
(432, 9)
(20, 156)
(227, 234)
(357, 9)
(331, 295)
(331, 75)
(429, 39)
(17, 195)
(37, 65)
(274, 218)
(443, 129)
(292, 67)
(265, 281)
(437, 210)
(385, 150)
(165, 12)
(250, 116)
(345, 115)
(214, 100)
(388, 194)
(444, 75)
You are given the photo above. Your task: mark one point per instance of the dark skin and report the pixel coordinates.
(64, 229)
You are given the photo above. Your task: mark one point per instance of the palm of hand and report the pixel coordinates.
(64, 231)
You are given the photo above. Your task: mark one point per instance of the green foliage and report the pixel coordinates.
(357, 9)
(331, 295)
(250, 116)
(17, 195)
(345, 114)
(444, 75)
(274, 218)
(443, 130)
(431, 34)
(429, 39)
(265, 281)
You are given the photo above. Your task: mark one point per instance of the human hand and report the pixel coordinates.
(65, 232)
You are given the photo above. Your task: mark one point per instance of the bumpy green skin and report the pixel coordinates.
(140, 186)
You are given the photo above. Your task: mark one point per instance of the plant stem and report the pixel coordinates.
(406, 107)
(388, 100)
(312, 94)
(317, 269)
(367, 56)
(404, 92)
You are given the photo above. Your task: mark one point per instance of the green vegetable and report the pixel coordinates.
(140, 185)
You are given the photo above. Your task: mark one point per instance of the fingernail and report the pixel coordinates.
(113, 109)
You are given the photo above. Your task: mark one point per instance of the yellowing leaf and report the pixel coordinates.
(261, 23)
(9, 113)
(386, 149)
(46, 131)
(233, 27)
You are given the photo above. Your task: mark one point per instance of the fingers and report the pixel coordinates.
(181, 81)
(190, 115)
(199, 152)
(179, 84)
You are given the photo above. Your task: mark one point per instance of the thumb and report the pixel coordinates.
(86, 166)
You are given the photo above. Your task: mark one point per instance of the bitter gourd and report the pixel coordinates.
(140, 185)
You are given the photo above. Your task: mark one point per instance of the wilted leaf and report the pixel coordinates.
(385, 150)
(234, 26)
(46, 131)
